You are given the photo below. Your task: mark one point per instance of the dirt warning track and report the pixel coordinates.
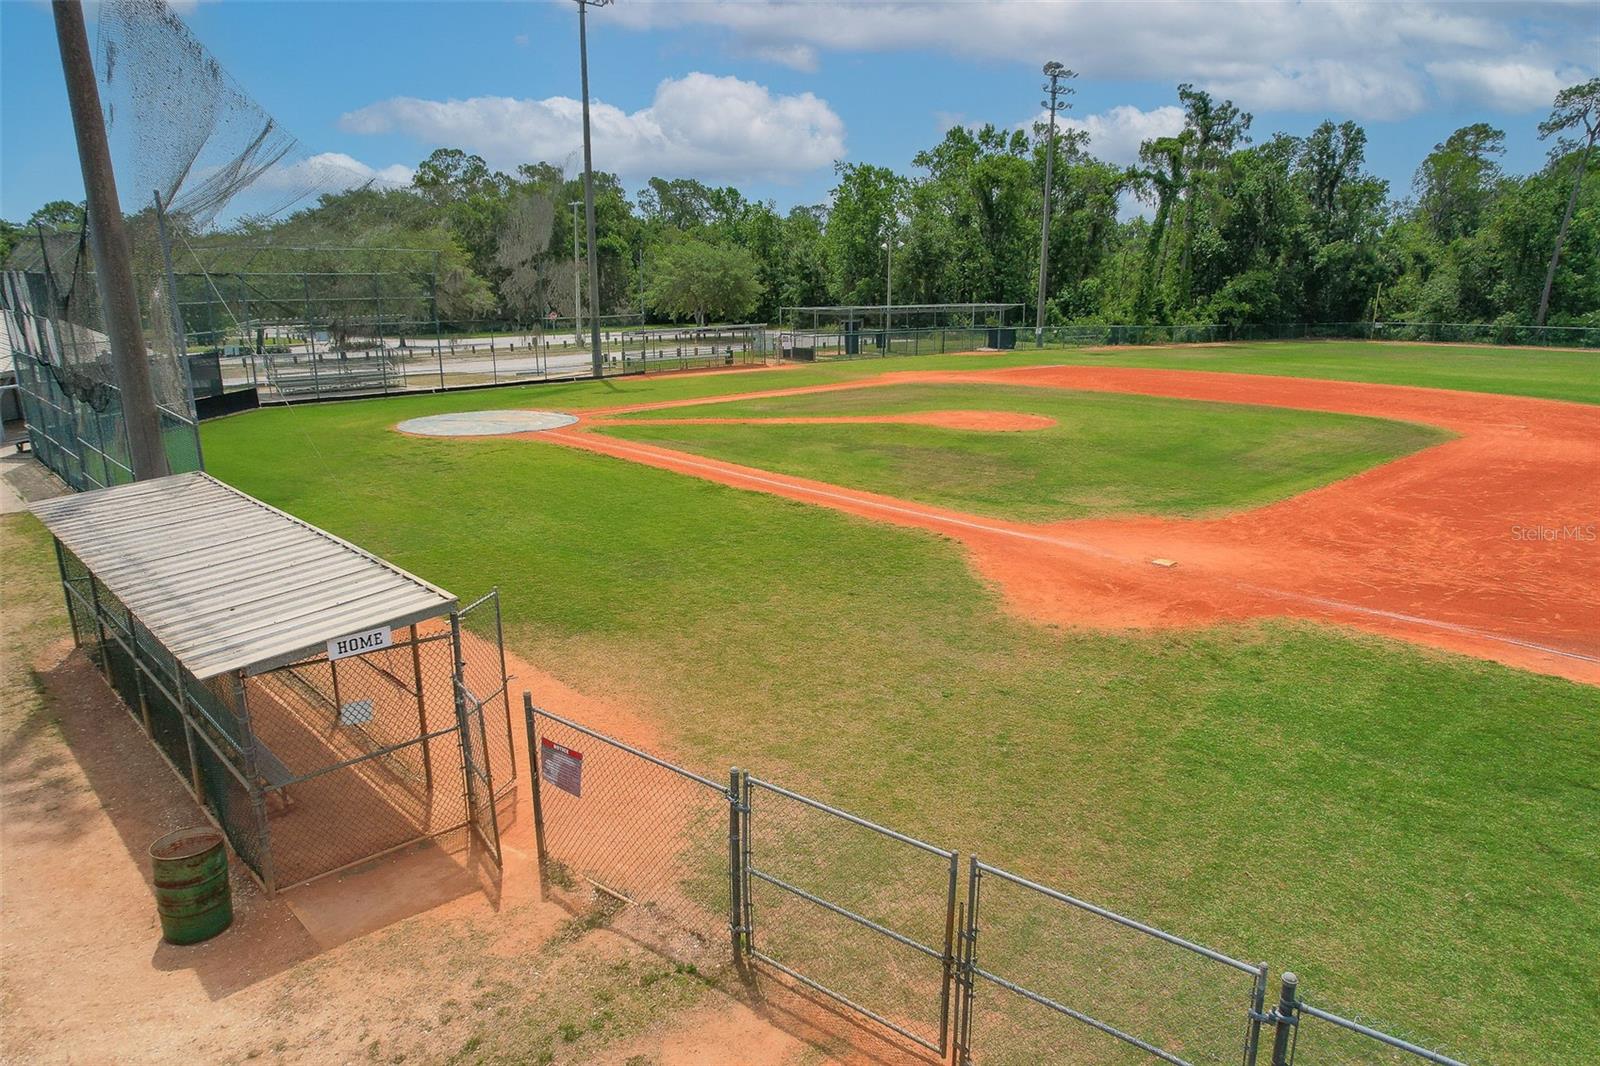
(1485, 544)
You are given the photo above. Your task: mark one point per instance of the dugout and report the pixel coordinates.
(323, 706)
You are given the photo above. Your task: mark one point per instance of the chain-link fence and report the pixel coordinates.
(829, 344)
(324, 346)
(167, 701)
(1049, 975)
(67, 388)
(358, 756)
(877, 922)
(1333, 1038)
(617, 825)
(858, 912)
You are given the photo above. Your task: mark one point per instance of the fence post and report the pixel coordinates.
(969, 962)
(458, 680)
(1284, 1020)
(422, 712)
(258, 798)
(100, 630)
(951, 924)
(138, 677)
(538, 804)
(1257, 1015)
(66, 592)
(958, 1004)
(505, 680)
(736, 865)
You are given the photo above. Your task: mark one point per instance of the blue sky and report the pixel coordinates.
(767, 95)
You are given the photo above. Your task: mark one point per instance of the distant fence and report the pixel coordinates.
(292, 367)
(998, 970)
(309, 366)
(829, 345)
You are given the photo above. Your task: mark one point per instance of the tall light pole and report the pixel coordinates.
(1055, 105)
(577, 276)
(888, 283)
(113, 257)
(588, 186)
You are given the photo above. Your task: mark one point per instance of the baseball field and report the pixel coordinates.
(1291, 649)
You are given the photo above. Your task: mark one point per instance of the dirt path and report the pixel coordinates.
(1484, 545)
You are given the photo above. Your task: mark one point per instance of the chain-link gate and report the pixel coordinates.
(1053, 976)
(859, 913)
(477, 691)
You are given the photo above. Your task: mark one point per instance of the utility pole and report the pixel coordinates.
(1056, 73)
(577, 275)
(588, 186)
(113, 258)
(888, 283)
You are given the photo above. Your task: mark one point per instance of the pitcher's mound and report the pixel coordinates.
(485, 423)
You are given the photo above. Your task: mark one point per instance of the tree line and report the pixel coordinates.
(1236, 229)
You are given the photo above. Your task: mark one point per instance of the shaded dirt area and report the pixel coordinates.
(1485, 544)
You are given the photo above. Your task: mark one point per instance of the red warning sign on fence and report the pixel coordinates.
(563, 766)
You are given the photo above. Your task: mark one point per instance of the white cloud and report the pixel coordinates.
(331, 172)
(801, 57)
(1510, 85)
(1115, 135)
(717, 128)
(341, 168)
(1367, 58)
(520, 40)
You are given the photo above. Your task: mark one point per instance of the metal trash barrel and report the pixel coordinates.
(193, 897)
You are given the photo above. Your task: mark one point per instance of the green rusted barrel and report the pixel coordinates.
(191, 878)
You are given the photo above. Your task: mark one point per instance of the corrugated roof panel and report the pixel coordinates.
(226, 582)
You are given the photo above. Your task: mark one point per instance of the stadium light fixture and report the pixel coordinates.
(1057, 73)
(588, 184)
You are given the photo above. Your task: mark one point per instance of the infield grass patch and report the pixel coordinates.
(1107, 454)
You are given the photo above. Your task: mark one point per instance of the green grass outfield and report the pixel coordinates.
(1107, 453)
(1561, 374)
(1416, 834)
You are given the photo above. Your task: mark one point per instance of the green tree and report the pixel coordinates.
(1214, 129)
(1161, 176)
(1457, 180)
(691, 278)
(1575, 107)
(865, 211)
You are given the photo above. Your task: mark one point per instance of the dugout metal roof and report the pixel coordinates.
(226, 582)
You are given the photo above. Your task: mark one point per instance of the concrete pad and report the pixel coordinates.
(23, 479)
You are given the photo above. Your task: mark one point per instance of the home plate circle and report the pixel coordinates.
(485, 423)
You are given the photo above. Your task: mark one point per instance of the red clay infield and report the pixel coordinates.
(1485, 544)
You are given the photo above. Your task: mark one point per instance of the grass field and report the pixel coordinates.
(1416, 834)
(1106, 454)
(1552, 375)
